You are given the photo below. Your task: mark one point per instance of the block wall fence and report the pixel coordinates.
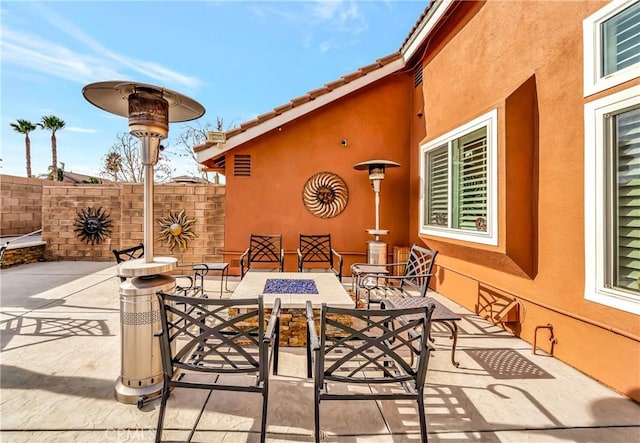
(20, 205)
(56, 208)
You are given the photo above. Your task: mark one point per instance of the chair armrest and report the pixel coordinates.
(340, 260)
(299, 259)
(314, 342)
(245, 255)
(273, 320)
(185, 289)
(397, 277)
(355, 265)
(281, 260)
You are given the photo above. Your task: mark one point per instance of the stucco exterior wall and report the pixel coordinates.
(374, 123)
(525, 59)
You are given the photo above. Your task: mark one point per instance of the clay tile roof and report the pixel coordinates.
(416, 25)
(249, 124)
(309, 96)
(266, 116)
(351, 76)
(327, 88)
(369, 68)
(345, 79)
(282, 108)
(234, 131)
(318, 92)
(336, 84)
(389, 58)
(300, 100)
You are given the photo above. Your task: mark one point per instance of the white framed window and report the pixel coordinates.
(611, 46)
(459, 176)
(612, 200)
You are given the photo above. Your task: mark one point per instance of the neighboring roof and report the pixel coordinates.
(299, 106)
(188, 179)
(72, 177)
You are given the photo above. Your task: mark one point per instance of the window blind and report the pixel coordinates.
(627, 200)
(438, 182)
(621, 40)
(470, 181)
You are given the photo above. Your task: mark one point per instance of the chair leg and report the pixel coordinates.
(276, 349)
(423, 418)
(163, 407)
(263, 428)
(316, 421)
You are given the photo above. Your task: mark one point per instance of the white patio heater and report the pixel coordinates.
(149, 109)
(376, 249)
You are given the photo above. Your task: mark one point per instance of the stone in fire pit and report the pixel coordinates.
(290, 286)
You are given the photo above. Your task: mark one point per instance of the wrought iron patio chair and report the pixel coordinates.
(263, 249)
(415, 276)
(317, 249)
(131, 253)
(363, 346)
(136, 252)
(217, 344)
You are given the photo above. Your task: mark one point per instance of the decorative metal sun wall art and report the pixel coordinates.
(92, 225)
(175, 230)
(325, 195)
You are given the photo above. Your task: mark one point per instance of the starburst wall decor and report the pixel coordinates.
(325, 194)
(175, 230)
(92, 225)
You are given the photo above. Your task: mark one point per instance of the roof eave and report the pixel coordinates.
(423, 29)
(206, 151)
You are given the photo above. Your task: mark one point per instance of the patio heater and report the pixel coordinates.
(376, 249)
(149, 109)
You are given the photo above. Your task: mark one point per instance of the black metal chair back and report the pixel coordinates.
(317, 249)
(263, 249)
(131, 253)
(216, 336)
(363, 346)
(417, 272)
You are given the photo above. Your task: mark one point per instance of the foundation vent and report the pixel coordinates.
(242, 165)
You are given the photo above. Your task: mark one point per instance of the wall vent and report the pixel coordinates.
(417, 76)
(242, 165)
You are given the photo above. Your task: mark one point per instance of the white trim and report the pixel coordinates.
(435, 13)
(298, 111)
(490, 237)
(594, 201)
(593, 80)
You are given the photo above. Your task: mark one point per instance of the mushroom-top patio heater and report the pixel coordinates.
(149, 109)
(376, 249)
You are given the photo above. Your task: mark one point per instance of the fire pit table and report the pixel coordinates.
(294, 289)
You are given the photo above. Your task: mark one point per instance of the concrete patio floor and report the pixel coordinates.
(60, 358)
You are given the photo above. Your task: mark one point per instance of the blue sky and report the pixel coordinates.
(239, 59)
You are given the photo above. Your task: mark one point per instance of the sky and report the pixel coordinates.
(239, 59)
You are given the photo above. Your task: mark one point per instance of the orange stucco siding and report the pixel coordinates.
(374, 123)
(522, 58)
(525, 59)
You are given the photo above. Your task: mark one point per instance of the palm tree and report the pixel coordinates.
(53, 124)
(25, 127)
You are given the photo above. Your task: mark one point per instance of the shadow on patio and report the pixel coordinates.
(60, 361)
